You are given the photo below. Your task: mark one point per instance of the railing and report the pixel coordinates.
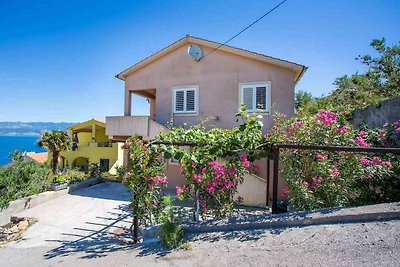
(129, 125)
(275, 157)
(94, 144)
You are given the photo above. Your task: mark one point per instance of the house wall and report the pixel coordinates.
(218, 76)
(93, 154)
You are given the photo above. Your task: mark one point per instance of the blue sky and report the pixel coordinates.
(58, 59)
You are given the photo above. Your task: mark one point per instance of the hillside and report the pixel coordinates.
(30, 128)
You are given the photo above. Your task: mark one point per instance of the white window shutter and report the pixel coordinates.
(261, 98)
(179, 101)
(190, 101)
(247, 97)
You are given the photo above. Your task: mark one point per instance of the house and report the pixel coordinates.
(39, 157)
(90, 144)
(194, 79)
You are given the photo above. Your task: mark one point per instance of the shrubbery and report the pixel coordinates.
(70, 176)
(22, 179)
(317, 179)
(216, 165)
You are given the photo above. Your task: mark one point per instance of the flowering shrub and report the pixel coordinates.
(144, 176)
(216, 165)
(317, 179)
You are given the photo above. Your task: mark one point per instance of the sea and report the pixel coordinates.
(22, 143)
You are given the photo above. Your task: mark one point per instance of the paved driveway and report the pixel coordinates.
(78, 221)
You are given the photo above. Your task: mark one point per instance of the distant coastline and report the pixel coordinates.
(30, 128)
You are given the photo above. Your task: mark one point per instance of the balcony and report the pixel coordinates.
(120, 127)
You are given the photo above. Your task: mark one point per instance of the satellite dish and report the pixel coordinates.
(195, 52)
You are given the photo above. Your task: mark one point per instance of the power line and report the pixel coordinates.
(236, 35)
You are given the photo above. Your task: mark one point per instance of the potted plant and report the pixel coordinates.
(59, 182)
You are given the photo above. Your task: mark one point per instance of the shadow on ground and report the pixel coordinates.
(107, 190)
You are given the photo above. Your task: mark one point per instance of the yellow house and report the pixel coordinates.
(90, 144)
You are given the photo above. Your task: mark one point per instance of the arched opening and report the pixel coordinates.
(81, 163)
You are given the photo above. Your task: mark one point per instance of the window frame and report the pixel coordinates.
(254, 85)
(196, 100)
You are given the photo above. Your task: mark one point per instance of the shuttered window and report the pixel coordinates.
(185, 100)
(255, 96)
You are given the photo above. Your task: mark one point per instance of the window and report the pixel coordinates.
(256, 96)
(104, 165)
(185, 100)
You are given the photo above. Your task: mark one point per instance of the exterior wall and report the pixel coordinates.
(218, 76)
(388, 111)
(120, 159)
(93, 153)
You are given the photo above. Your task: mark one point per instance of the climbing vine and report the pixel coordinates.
(216, 164)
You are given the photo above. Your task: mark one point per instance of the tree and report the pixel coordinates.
(381, 81)
(55, 141)
(302, 98)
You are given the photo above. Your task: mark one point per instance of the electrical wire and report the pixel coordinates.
(236, 35)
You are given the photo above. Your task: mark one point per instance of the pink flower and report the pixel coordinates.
(314, 186)
(360, 141)
(297, 124)
(335, 173)
(228, 184)
(197, 177)
(365, 162)
(321, 157)
(240, 199)
(178, 191)
(305, 183)
(245, 161)
(317, 180)
(381, 132)
(368, 176)
(327, 117)
(388, 164)
(155, 203)
(377, 161)
(285, 191)
(342, 129)
(281, 115)
(213, 163)
(150, 186)
(398, 129)
(231, 171)
(363, 133)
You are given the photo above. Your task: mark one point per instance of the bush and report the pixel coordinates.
(94, 170)
(318, 179)
(171, 233)
(22, 179)
(216, 165)
(71, 176)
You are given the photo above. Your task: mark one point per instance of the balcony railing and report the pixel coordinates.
(123, 126)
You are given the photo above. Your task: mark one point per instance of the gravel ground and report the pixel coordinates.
(359, 244)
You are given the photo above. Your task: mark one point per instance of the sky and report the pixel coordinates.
(58, 59)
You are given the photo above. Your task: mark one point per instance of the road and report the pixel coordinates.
(74, 230)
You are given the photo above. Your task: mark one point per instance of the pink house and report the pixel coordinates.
(190, 81)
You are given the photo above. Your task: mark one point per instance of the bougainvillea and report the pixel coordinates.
(216, 165)
(317, 179)
(144, 176)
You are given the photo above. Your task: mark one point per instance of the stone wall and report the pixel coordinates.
(376, 116)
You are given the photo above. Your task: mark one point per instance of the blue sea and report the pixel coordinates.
(23, 143)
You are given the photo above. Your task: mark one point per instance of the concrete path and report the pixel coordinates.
(84, 217)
